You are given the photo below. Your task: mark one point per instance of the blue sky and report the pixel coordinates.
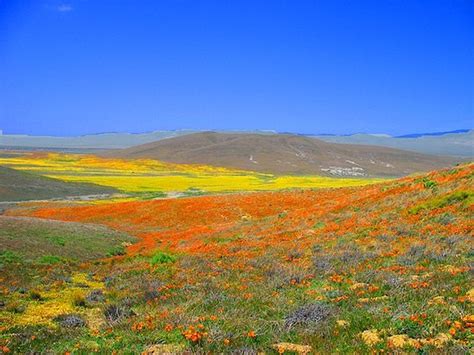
(88, 66)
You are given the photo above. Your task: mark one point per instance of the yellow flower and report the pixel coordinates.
(440, 340)
(342, 323)
(470, 295)
(295, 348)
(370, 337)
(358, 285)
(401, 341)
(437, 300)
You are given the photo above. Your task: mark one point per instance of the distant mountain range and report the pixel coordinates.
(284, 154)
(93, 141)
(417, 135)
(455, 143)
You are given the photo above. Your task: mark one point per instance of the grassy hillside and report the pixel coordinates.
(30, 239)
(41, 273)
(19, 185)
(380, 268)
(285, 154)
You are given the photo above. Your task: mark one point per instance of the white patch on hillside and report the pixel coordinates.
(338, 171)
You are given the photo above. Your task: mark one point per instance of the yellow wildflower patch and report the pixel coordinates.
(470, 295)
(146, 175)
(342, 323)
(372, 299)
(401, 340)
(293, 348)
(439, 341)
(370, 337)
(60, 301)
(437, 300)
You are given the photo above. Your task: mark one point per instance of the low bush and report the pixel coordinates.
(49, 260)
(309, 315)
(114, 313)
(116, 251)
(162, 258)
(9, 257)
(70, 321)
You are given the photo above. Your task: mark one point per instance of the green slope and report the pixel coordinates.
(32, 239)
(18, 185)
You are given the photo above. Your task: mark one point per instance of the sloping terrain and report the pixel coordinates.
(284, 154)
(32, 239)
(19, 186)
(450, 143)
(385, 268)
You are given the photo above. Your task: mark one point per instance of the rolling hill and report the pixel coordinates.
(380, 267)
(284, 154)
(19, 185)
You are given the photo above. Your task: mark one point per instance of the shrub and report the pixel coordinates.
(116, 312)
(58, 241)
(323, 264)
(116, 251)
(70, 321)
(319, 225)
(413, 255)
(429, 184)
(162, 258)
(150, 295)
(95, 296)
(9, 257)
(78, 301)
(294, 254)
(313, 314)
(49, 260)
(34, 295)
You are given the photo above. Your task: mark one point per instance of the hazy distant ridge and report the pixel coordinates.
(456, 143)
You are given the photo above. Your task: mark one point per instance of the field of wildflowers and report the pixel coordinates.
(380, 268)
(151, 176)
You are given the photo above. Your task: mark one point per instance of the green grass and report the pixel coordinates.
(162, 258)
(465, 197)
(18, 185)
(9, 257)
(118, 250)
(49, 260)
(31, 239)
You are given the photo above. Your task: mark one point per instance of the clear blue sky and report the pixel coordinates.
(322, 66)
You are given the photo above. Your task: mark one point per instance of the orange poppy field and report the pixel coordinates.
(380, 268)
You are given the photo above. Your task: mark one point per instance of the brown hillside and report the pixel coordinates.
(284, 154)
